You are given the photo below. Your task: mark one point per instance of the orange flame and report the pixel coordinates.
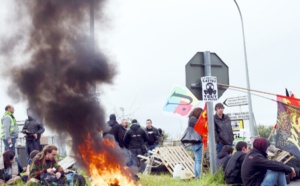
(103, 167)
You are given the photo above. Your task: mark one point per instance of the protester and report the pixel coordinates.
(153, 135)
(135, 140)
(190, 136)
(161, 137)
(9, 128)
(224, 156)
(33, 129)
(31, 156)
(223, 129)
(234, 165)
(258, 170)
(121, 132)
(45, 169)
(114, 126)
(8, 168)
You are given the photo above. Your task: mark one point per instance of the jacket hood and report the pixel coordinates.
(261, 144)
(135, 126)
(112, 117)
(112, 123)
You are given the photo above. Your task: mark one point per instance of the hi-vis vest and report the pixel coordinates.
(12, 124)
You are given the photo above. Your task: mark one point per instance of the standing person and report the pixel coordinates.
(44, 168)
(33, 130)
(223, 129)
(135, 140)
(9, 128)
(234, 165)
(8, 168)
(153, 135)
(112, 122)
(121, 132)
(258, 170)
(224, 156)
(190, 136)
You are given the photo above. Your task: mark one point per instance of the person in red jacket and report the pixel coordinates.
(258, 170)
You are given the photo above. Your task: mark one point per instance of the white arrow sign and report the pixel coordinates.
(236, 101)
(239, 115)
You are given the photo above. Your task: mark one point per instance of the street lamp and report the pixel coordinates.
(253, 128)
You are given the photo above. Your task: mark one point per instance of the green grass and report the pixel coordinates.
(167, 180)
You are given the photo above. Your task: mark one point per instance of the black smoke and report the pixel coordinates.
(63, 68)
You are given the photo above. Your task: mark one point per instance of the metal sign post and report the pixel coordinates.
(210, 116)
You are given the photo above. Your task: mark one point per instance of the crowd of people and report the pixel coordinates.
(245, 166)
(42, 167)
(137, 140)
(241, 166)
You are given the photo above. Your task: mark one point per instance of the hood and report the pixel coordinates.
(261, 144)
(135, 126)
(112, 123)
(112, 117)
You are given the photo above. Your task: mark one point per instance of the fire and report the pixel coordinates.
(103, 165)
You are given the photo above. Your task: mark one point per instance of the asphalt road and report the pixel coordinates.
(294, 183)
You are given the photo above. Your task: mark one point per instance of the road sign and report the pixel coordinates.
(210, 91)
(239, 115)
(194, 70)
(237, 125)
(236, 101)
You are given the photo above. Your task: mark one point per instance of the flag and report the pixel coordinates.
(202, 126)
(180, 101)
(288, 124)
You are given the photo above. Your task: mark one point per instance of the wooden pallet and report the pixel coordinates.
(283, 157)
(171, 156)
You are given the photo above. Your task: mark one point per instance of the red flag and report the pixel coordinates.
(202, 126)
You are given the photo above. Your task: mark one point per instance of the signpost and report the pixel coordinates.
(207, 64)
(236, 101)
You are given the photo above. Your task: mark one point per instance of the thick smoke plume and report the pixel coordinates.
(63, 68)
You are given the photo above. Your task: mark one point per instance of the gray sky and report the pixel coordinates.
(151, 41)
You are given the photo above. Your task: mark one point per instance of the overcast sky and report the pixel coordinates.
(150, 42)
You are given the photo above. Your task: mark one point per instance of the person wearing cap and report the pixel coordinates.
(223, 129)
(258, 170)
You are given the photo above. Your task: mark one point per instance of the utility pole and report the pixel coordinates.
(252, 123)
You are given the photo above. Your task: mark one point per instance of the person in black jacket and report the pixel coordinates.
(234, 165)
(121, 132)
(33, 129)
(153, 135)
(134, 140)
(224, 156)
(258, 170)
(223, 129)
(114, 126)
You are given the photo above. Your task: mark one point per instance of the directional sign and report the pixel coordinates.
(236, 101)
(239, 115)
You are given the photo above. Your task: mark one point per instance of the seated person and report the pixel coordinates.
(258, 170)
(224, 156)
(31, 156)
(9, 173)
(45, 169)
(234, 165)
